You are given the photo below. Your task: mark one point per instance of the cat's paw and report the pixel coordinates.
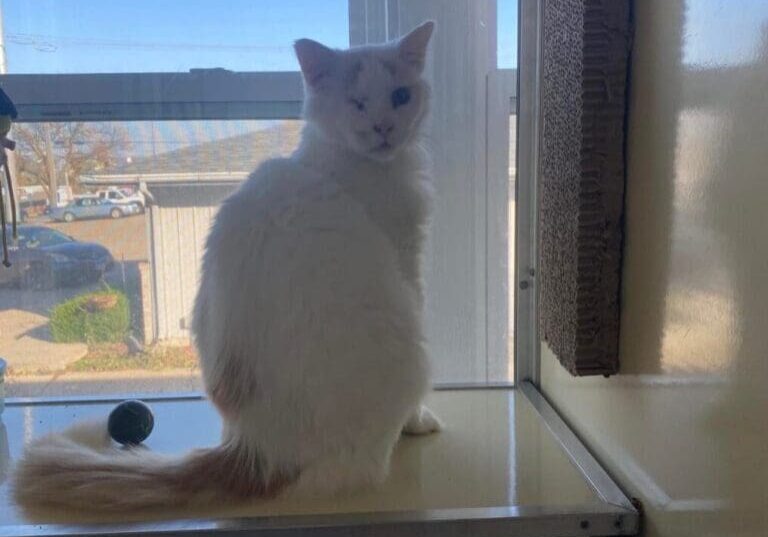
(422, 421)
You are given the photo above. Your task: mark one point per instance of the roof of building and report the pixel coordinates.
(228, 159)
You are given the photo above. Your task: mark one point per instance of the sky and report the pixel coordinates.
(55, 36)
(506, 35)
(67, 36)
(98, 36)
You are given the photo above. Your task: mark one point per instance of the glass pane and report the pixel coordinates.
(511, 259)
(507, 34)
(88, 247)
(115, 213)
(470, 133)
(94, 36)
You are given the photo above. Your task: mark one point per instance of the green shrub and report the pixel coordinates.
(99, 317)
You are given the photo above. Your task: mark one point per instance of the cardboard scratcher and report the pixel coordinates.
(585, 60)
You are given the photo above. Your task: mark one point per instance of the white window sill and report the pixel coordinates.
(505, 465)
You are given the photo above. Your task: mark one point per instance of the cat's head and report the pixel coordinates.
(370, 99)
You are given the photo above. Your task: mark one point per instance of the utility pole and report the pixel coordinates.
(53, 193)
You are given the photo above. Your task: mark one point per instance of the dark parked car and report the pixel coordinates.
(44, 258)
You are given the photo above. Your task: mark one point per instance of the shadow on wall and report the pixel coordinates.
(649, 193)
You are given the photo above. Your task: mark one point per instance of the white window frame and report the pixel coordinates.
(527, 340)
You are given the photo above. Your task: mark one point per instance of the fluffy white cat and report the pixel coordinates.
(308, 316)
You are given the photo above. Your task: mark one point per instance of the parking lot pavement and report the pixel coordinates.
(125, 238)
(26, 346)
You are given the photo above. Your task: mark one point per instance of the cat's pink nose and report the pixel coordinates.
(383, 128)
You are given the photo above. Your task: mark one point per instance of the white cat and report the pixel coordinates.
(308, 316)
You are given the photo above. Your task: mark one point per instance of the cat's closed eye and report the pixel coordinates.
(360, 105)
(400, 96)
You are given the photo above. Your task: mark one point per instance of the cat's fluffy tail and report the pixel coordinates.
(79, 470)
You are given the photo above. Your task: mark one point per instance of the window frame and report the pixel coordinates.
(527, 340)
(615, 516)
(201, 94)
(219, 94)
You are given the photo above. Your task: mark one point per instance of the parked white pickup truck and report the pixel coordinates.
(123, 197)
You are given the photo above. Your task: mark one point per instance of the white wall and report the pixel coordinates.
(177, 236)
(685, 426)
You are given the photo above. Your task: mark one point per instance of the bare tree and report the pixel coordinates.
(51, 154)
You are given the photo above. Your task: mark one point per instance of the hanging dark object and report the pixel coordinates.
(7, 115)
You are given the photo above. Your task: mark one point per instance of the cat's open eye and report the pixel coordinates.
(360, 105)
(400, 96)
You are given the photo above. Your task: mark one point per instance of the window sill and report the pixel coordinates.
(505, 465)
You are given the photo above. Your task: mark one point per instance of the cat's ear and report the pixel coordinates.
(413, 46)
(316, 60)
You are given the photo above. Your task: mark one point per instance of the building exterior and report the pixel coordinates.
(183, 189)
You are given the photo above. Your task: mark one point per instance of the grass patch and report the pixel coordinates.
(99, 317)
(115, 357)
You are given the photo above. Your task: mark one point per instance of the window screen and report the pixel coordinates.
(112, 112)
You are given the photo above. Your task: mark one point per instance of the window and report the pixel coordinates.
(126, 150)
(128, 142)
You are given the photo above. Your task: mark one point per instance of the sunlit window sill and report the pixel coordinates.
(504, 465)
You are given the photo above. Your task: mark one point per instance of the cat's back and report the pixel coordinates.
(278, 186)
(288, 235)
(274, 184)
(283, 202)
